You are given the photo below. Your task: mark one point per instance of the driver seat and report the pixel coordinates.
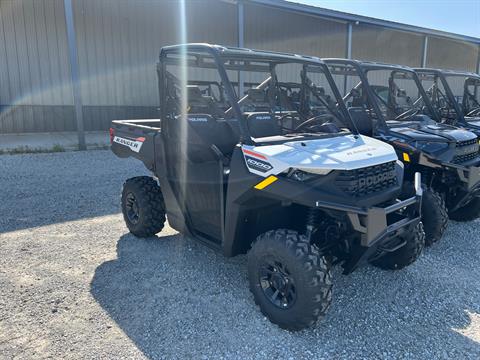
(257, 98)
(357, 99)
(199, 103)
(262, 124)
(362, 120)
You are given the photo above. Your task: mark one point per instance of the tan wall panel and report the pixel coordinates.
(119, 42)
(34, 70)
(268, 28)
(449, 54)
(378, 44)
(36, 52)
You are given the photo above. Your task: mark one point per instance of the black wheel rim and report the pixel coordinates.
(132, 208)
(277, 284)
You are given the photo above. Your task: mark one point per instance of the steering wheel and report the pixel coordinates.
(314, 121)
(407, 113)
(473, 112)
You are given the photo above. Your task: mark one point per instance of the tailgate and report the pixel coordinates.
(135, 138)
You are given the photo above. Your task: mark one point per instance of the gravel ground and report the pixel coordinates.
(75, 284)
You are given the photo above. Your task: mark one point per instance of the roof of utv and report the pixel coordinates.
(370, 64)
(240, 53)
(449, 72)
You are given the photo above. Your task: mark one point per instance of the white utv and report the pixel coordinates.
(239, 164)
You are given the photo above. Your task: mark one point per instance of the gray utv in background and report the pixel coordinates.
(388, 102)
(455, 95)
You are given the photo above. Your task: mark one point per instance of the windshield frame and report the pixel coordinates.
(401, 69)
(220, 55)
(440, 75)
(340, 104)
(476, 78)
(443, 75)
(361, 70)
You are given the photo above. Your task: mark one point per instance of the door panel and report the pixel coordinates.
(196, 178)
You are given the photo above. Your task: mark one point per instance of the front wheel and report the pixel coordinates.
(468, 212)
(290, 281)
(434, 212)
(434, 215)
(407, 254)
(143, 206)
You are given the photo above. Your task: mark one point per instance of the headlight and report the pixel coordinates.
(306, 174)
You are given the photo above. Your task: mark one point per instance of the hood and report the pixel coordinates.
(320, 155)
(474, 122)
(434, 132)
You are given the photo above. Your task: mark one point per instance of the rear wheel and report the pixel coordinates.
(143, 206)
(290, 281)
(407, 254)
(469, 212)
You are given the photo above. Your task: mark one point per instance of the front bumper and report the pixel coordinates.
(468, 172)
(373, 223)
(470, 178)
(381, 229)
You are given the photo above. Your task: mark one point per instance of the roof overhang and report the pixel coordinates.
(358, 19)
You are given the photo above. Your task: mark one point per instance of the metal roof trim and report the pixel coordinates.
(339, 15)
(447, 72)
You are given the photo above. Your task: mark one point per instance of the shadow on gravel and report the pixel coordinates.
(175, 298)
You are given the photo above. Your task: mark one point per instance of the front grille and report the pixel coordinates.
(367, 181)
(461, 144)
(466, 151)
(460, 159)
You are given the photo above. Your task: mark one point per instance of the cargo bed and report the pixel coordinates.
(135, 138)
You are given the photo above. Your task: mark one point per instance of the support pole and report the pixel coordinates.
(478, 62)
(241, 24)
(349, 40)
(241, 43)
(73, 57)
(348, 53)
(425, 52)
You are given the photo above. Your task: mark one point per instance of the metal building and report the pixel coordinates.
(111, 47)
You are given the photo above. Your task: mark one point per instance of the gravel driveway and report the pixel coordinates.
(75, 284)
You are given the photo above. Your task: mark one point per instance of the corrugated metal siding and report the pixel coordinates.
(449, 54)
(378, 44)
(119, 43)
(34, 70)
(268, 28)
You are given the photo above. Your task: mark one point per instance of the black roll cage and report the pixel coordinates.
(471, 79)
(442, 75)
(361, 68)
(247, 55)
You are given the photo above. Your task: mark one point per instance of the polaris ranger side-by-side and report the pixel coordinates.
(389, 103)
(240, 167)
(455, 95)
